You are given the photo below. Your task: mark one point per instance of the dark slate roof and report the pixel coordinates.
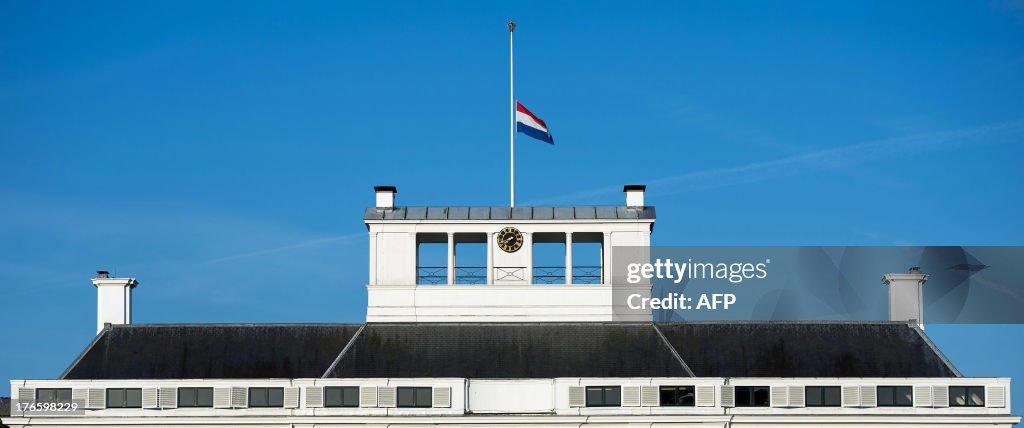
(506, 213)
(212, 351)
(512, 350)
(806, 349)
(505, 350)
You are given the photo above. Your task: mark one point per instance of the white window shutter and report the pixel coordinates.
(441, 397)
(26, 395)
(149, 398)
(940, 396)
(368, 396)
(314, 396)
(222, 398)
(704, 396)
(851, 396)
(630, 395)
(577, 396)
(97, 398)
(386, 396)
(868, 396)
(291, 397)
(923, 396)
(239, 397)
(779, 396)
(995, 396)
(649, 396)
(728, 396)
(796, 396)
(80, 396)
(168, 398)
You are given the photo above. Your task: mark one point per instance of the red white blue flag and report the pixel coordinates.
(531, 125)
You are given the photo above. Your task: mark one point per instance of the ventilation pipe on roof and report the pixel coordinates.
(906, 296)
(634, 195)
(385, 196)
(113, 299)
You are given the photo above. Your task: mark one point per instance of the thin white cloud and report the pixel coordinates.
(817, 160)
(286, 248)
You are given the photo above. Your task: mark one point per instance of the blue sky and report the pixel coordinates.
(222, 152)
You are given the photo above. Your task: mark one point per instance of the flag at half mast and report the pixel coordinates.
(531, 125)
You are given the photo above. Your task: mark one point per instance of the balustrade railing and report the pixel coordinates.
(546, 275)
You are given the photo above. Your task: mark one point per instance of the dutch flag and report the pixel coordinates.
(531, 125)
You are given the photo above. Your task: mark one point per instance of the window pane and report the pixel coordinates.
(350, 396)
(957, 396)
(275, 397)
(595, 396)
(761, 396)
(332, 396)
(612, 396)
(186, 397)
(406, 397)
(133, 397)
(423, 398)
(257, 397)
(204, 397)
(687, 396)
(44, 395)
(886, 396)
(743, 396)
(833, 396)
(976, 396)
(904, 396)
(62, 395)
(814, 396)
(115, 397)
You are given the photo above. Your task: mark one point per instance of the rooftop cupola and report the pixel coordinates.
(496, 264)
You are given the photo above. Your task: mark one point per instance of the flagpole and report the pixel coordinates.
(512, 123)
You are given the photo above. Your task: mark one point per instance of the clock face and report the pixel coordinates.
(510, 239)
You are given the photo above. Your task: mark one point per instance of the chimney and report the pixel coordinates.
(906, 298)
(385, 196)
(634, 195)
(113, 299)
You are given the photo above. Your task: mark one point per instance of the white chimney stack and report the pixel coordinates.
(634, 195)
(113, 299)
(385, 196)
(906, 296)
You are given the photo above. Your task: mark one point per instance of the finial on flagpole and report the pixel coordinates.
(511, 26)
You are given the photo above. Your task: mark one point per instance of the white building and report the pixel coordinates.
(500, 344)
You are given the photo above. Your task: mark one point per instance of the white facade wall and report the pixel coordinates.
(489, 402)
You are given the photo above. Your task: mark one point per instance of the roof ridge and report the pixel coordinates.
(344, 351)
(673, 349)
(252, 324)
(808, 322)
